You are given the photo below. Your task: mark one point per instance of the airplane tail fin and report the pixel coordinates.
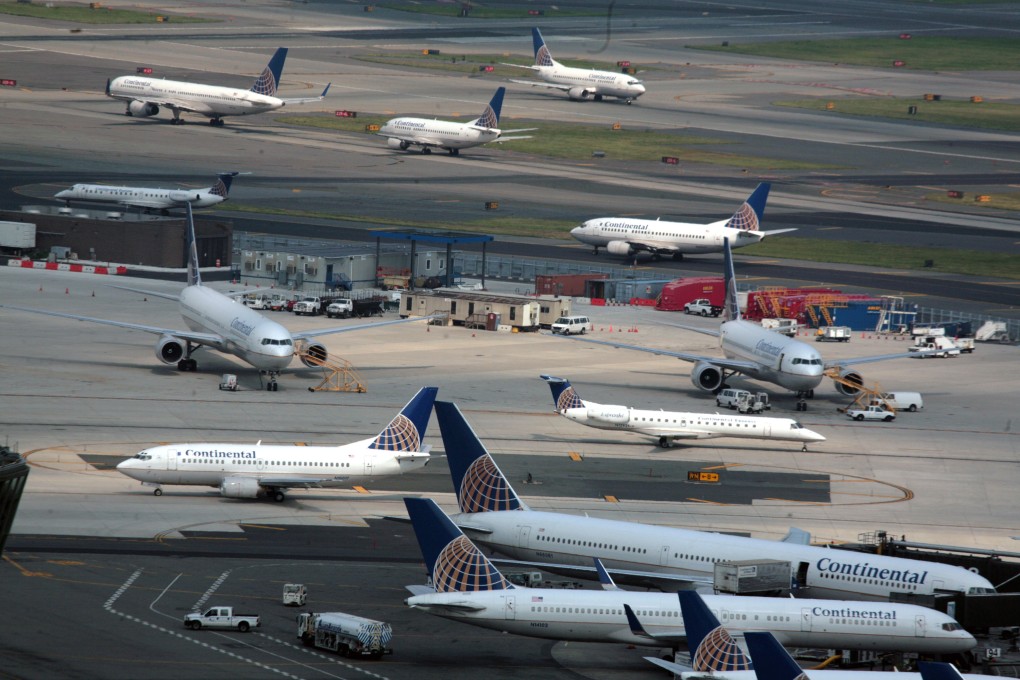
(771, 661)
(478, 482)
(222, 186)
(454, 562)
(543, 57)
(712, 647)
(564, 395)
(731, 307)
(749, 215)
(269, 81)
(937, 670)
(490, 116)
(406, 431)
(194, 275)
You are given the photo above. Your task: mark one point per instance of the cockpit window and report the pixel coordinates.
(273, 341)
(796, 426)
(144, 456)
(980, 591)
(950, 627)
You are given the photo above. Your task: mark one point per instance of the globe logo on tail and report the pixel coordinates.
(461, 567)
(266, 84)
(744, 219)
(484, 489)
(488, 119)
(399, 435)
(219, 189)
(542, 57)
(568, 399)
(718, 652)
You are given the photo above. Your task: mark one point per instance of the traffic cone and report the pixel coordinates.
(67, 291)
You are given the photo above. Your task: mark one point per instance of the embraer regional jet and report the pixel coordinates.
(144, 96)
(150, 198)
(627, 236)
(467, 587)
(579, 83)
(492, 514)
(221, 322)
(250, 470)
(429, 133)
(669, 426)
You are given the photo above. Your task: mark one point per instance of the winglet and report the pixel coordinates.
(222, 186)
(478, 482)
(712, 647)
(490, 115)
(543, 57)
(604, 578)
(405, 432)
(194, 275)
(564, 395)
(749, 216)
(268, 82)
(936, 670)
(453, 561)
(771, 661)
(325, 90)
(634, 623)
(731, 306)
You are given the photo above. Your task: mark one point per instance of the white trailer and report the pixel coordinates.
(17, 235)
(345, 634)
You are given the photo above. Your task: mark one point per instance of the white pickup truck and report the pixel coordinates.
(222, 617)
(702, 307)
(310, 305)
(873, 412)
(340, 309)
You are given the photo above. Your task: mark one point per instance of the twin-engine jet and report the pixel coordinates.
(150, 198)
(579, 83)
(252, 470)
(145, 96)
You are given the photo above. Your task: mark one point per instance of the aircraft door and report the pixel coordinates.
(801, 580)
(805, 620)
(171, 459)
(523, 534)
(779, 363)
(919, 626)
(509, 607)
(664, 556)
(767, 430)
(368, 466)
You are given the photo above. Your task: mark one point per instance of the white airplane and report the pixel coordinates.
(668, 426)
(151, 198)
(760, 353)
(144, 96)
(627, 236)
(579, 83)
(427, 133)
(223, 323)
(251, 470)
(715, 653)
(492, 514)
(467, 587)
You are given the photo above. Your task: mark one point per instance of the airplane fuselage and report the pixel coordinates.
(440, 133)
(140, 196)
(209, 100)
(662, 236)
(781, 360)
(602, 83)
(554, 538)
(598, 616)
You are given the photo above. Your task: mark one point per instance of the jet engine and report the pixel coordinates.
(706, 376)
(313, 355)
(614, 415)
(179, 196)
(142, 109)
(851, 377)
(239, 487)
(397, 144)
(579, 94)
(619, 248)
(170, 350)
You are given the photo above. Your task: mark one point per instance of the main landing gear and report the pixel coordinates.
(187, 363)
(664, 442)
(216, 122)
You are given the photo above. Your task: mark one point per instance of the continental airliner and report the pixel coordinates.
(628, 236)
(467, 587)
(579, 83)
(669, 426)
(145, 96)
(253, 470)
(492, 514)
(427, 133)
(151, 198)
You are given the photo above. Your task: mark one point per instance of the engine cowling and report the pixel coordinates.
(314, 355)
(179, 196)
(614, 415)
(170, 350)
(579, 94)
(239, 487)
(142, 109)
(397, 144)
(706, 376)
(619, 248)
(852, 377)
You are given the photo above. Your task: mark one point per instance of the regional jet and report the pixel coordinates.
(221, 322)
(150, 198)
(669, 426)
(251, 470)
(580, 84)
(492, 514)
(428, 133)
(627, 236)
(467, 587)
(760, 353)
(144, 96)
(716, 653)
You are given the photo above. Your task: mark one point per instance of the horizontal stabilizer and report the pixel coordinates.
(674, 668)
(777, 231)
(797, 537)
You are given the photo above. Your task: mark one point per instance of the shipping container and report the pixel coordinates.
(17, 236)
(752, 576)
(572, 285)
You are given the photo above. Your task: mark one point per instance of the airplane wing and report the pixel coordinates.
(304, 335)
(836, 363)
(153, 293)
(296, 482)
(306, 100)
(539, 83)
(674, 668)
(453, 607)
(625, 576)
(501, 139)
(668, 634)
(728, 364)
(199, 338)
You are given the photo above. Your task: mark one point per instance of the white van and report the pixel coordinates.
(904, 401)
(571, 325)
(729, 397)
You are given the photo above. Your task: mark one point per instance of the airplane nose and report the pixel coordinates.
(62, 194)
(813, 436)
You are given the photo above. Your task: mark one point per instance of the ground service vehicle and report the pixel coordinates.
(222, 617)
(340, 309)
(901, 401)
(311, 305)
(703, 307)
(228, 382)
(873, 412)
(784, 326)
(834, 334)
(571, 325)
(730, 397)
(345, 634)
(938, 345)
(753, 403)
(294, 594)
